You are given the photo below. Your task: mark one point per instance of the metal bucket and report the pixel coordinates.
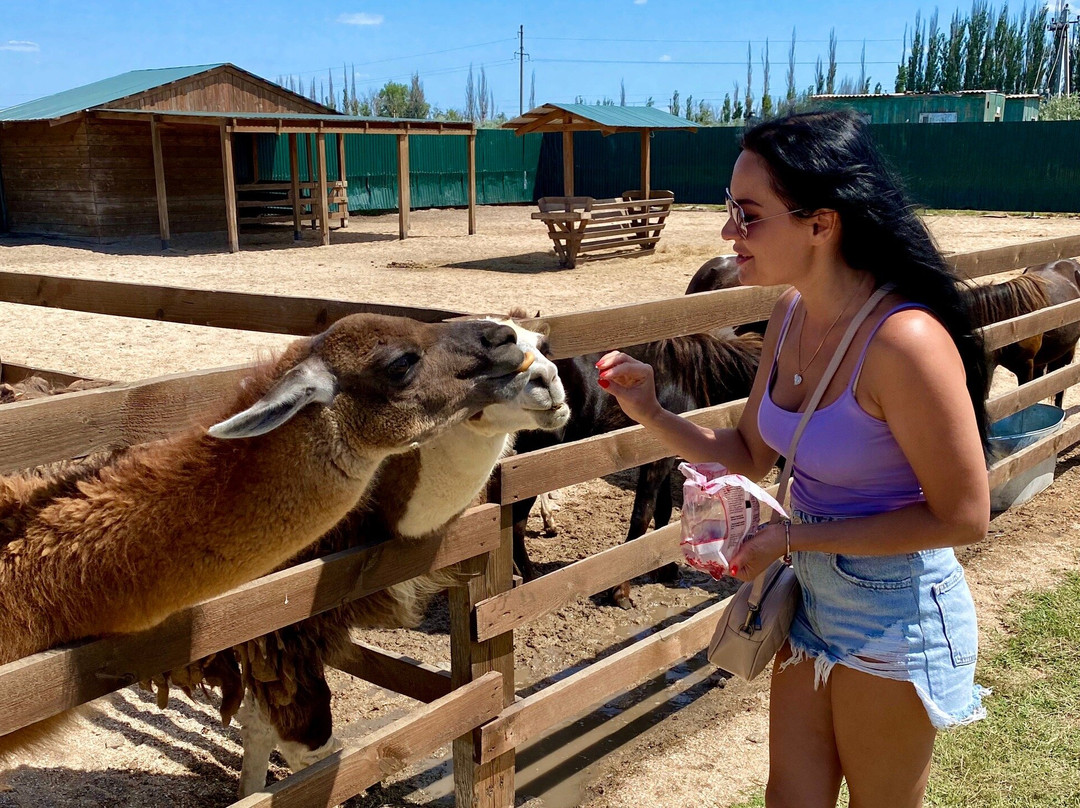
(1014, 433)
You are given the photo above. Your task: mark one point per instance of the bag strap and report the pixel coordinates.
(756, 592)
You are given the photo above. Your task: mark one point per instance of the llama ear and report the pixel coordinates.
(310, 382)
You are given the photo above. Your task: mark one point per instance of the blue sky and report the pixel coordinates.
(575, 48)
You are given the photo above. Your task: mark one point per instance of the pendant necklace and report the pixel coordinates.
(798, 379)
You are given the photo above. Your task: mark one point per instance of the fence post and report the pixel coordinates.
(490, 785)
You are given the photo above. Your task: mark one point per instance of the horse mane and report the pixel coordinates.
(708, 368)
(1001, 301)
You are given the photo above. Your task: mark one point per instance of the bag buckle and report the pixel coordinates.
(751, 624)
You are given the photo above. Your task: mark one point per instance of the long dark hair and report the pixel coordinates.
(827, 159)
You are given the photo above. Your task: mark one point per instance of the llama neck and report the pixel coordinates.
(166, 526)
(452, 471)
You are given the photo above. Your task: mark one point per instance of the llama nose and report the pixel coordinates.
(496, 335)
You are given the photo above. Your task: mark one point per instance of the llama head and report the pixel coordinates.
(385, 383)
(542, 402)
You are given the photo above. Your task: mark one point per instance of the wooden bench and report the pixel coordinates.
(273, 195)
(582, 227)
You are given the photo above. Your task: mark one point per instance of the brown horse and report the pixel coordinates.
(1039, 287)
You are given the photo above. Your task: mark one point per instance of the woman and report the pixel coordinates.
(888, 477)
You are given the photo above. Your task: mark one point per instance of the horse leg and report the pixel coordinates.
(651, 477)
(669, 573)
(522, 564)
(1058, 364)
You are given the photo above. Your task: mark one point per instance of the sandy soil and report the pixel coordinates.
(684, 737)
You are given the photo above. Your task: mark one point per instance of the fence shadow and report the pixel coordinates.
(530, 263)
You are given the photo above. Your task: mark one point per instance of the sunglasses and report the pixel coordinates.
(738, 215)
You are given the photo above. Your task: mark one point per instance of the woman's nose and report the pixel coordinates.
(729, 232)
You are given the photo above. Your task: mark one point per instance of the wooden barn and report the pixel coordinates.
(152, 151)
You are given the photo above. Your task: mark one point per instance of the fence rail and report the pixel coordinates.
(474, 702)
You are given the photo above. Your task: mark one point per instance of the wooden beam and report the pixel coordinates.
(646, 162)
(532, 473)
(310, 142)
(539, 121)
(523, 604)
(294, 180)
(231, 224)
(1016, 256)
(395, 672)
(44, 684)
(159, 184)
(1009, 331)
(472, 183)
(274, 314)
(490, 785)
(529, 717)
(344, 774)
(568, 163)
(324, 190)
(342, 177)
(1033, 392)
(403, 185)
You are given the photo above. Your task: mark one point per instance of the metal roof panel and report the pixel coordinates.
(99, 93)
(609, 116)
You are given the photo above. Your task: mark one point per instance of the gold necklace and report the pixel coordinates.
(798, 379)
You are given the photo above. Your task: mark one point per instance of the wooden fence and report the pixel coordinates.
(474, 703)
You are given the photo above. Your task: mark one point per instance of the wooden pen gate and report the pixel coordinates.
(474, 703)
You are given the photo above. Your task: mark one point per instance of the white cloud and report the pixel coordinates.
(640, 2)
(20, 45)
(361, 19)
(665, 58)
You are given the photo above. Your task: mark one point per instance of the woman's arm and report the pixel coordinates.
(914, 379)
(740, 449)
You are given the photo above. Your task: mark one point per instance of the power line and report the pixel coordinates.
(697, 41)
(741, 62)
(399, 58)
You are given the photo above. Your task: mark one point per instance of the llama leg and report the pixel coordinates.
(651, 477)
(523, 565)
(548, 506)
(258, 737)
(669, 573)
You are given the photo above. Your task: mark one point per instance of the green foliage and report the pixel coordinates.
(1062, 108)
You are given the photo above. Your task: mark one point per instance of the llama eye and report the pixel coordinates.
(399, 368)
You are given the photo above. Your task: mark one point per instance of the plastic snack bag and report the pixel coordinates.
(720, 511)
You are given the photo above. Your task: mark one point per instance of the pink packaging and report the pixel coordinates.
(720, 511)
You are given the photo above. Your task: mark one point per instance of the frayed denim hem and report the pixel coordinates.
(824, 663)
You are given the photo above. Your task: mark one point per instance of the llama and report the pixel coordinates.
(108, 547)
(276, 684)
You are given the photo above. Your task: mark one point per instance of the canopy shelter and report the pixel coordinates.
(605, 118)
(602, 227)
(91, 161)
(293, 125)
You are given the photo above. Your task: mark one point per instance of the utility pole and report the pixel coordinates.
(521, 54)
(1059, 76)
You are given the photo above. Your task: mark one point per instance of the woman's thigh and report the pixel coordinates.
(884, 739)
(804, 767)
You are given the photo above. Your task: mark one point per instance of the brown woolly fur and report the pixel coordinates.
(118, 544)
(417, 493)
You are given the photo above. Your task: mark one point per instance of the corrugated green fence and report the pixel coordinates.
(1030, 166)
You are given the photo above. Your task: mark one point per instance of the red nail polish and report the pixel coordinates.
(734, 569)
(603, 383)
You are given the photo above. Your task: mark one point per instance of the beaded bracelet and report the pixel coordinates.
(787, 542)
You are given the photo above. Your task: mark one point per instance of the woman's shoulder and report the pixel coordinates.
(909, 334)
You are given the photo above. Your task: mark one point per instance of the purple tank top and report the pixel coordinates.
(847, 462)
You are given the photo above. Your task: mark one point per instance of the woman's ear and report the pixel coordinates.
(825, 224)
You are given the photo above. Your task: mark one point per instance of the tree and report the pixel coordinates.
(830, 77)
(766, 99)
(690, 107)
(748, 102)
(331, 99)
(789, 96)
(483, 103)
(470, 97)
(673, 105)
(915, 59)
(532, 91)
(1062, 108)
(952, 68)
(737, 110)
(416, 106)
(819, 78)
(392, 101)
(622, 93)
(935, 45)
(978, 28)
(725, 111)
(1034, 48)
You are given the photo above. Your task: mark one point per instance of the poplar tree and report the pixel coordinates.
(748, 103)
(470, 97)
(830, 77)
(789, 96)
(935, 42)
(766, 99)
(952, 68)
(915, 59)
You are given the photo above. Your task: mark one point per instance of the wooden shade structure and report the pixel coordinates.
(153, 150)
(604, 118)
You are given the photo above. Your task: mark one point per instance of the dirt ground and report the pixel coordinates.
(686, 737)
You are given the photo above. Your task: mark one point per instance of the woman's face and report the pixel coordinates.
(773, 252)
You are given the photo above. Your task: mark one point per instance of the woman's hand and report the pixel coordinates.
(758, 552)
(631, 382)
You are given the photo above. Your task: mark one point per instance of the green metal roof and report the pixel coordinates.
(99, 93)
(285, 116)
(605, 116)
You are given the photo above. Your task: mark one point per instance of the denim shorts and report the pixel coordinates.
(905, 617)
